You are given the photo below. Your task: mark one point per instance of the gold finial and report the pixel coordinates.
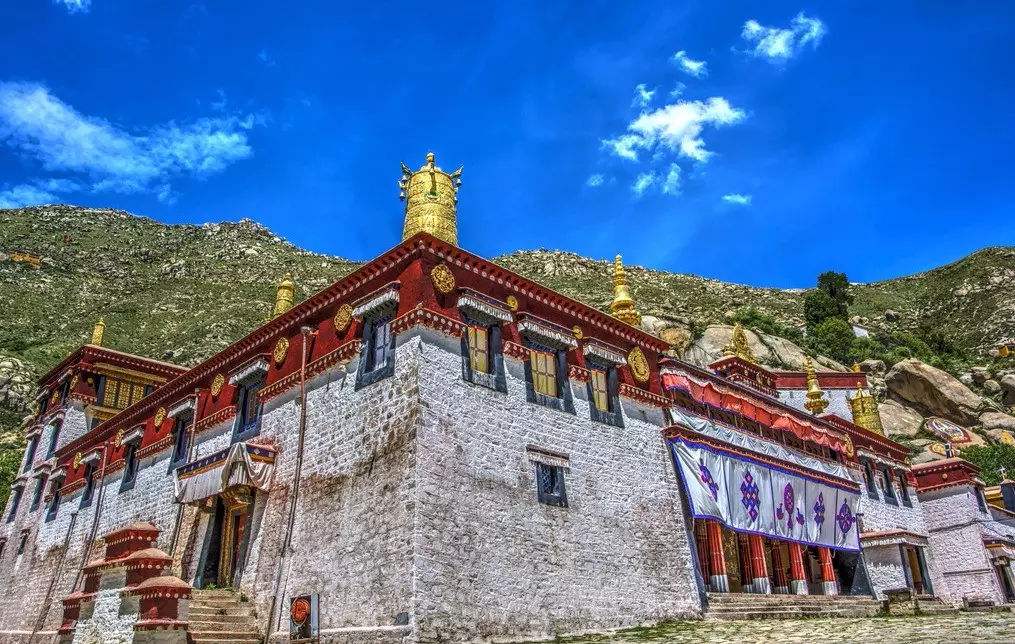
(865, 411)
(431, 201)
(100, 328)
(816, 402)
(284, 296)
(739, 346)
(856, 367)
(622, 307)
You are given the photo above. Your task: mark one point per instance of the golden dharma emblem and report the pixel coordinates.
(160, 416)
(77, 460)
(639, 365)
(216, 384)
(512, 302)
(343, 317)
(577, 331)
(281, 349)
(119, 436)
(443, 278)
(74, 382)
(55, 397)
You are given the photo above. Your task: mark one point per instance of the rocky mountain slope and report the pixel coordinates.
(183, 292)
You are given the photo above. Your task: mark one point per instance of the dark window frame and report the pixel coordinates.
(247, 427)
(564, 401)
(904, 491)
(40, 488)
(181, 440)
(868, 476)
(54, 438)
(369, 370)
(33, 447)
(886, 484)
(613, 415)
(54, 503)
(496, 378)
(981, 501)
(551, 484)
(131, 466)
(23, 541)
(100, 389)
(89, 489)
(16, 496)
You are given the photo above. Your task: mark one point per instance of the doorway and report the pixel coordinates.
(227, 538)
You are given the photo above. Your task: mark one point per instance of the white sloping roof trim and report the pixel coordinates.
(484, 308)
(179, 408)
(388, 296)
(606, 353)
(252, 368)
(547, 333)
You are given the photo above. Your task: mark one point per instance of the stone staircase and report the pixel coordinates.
(733, 606)
(222, 617)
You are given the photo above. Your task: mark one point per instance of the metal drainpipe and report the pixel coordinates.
(287, 541)
(95, 518)
(52, 582)
(190, 456)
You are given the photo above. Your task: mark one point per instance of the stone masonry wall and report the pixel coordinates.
(494, 562)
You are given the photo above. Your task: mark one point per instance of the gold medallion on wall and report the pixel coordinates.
(512, 302)
(216, 385)
(281, 350)
(577, 331)
(443, 278)
(638, 364)
(343, 317)
(77, 460)
(160, 416)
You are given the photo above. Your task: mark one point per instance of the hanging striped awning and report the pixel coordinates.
(240, 464)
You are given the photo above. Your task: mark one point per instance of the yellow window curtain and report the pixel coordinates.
(544, 373)
(600, 395)
(479, 349)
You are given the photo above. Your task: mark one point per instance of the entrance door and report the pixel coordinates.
(915, 570)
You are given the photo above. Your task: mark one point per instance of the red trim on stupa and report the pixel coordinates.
(949, 472)
(826, 379)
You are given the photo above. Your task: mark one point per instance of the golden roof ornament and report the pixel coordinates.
(431, 201)
(739, 346)
(98, 331)
(622, 307)
(865, 411)
(284, 295)
(816, 402)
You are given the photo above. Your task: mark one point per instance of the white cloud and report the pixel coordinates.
(696, 68)
(737, 199)
(25, 195)
(778, 45)
(75, 6)
(671, 184)
(677, 90)
(109, 158)
(677, 127)
(266, 59)
(595, 180)
(643, 183)
(643, 95)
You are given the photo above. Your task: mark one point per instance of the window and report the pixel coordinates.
(483, 362)
(89, 490)
(100, 388)
(248, 413)
(544, 373)
(603, 394)
(54, 438)
(868, 477)
(3, 545)
(377, 355)
(54, 502)
(43, 405)
(981, 502)
(119, 394)
(550, 484)
(546, 380)
(886, 485)
(479, 348)
(22, 542)
(129, 467)
(15, 502)
(181, 441)
(40, 485)
(64, 390)
(33, 445)
(148, 389)
(904, 491)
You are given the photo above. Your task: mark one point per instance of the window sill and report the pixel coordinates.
(560, 404)
(126, 486)
(248, 432)
(365, 379)
(488, 380)
(612, 418)
(873, 495)
(891, 501)
(554, 501)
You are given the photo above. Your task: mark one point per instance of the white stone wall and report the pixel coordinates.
(75, 424)
(838, 401)
(884, 565)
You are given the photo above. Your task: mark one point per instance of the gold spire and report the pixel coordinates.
(622, 307)
(816, 402)
(739, 346)
(100, 328)
(431, 201)
(284, 295)
(865, 411)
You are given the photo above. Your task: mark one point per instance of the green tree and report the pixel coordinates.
(818, 307)
(834, 338)
(990, 459)
(837, 287)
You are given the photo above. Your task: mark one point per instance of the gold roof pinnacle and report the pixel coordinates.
(431, 200)
(622, 307)
(284, 296)
(816, 402)
(739, 346)
(98, 331)
(865, 410)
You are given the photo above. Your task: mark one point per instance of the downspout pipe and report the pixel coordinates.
(307, 335)
(95, 517)
(190, 456)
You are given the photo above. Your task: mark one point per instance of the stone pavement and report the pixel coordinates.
(949, 628)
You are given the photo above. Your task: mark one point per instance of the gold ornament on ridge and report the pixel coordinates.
(739, 346)
(622, 307)
(816, 402)
(865, 411)
(216, 385)
(343, 317)
(160, 417)
(285, 295)
(639, 365)
(98, 331)
(431, 201)
(443, 278)
(281, 349)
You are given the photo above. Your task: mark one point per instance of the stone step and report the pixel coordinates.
(778, 597)
(752, 615)
(217, 592)
(225, 636)
(215, 640)
(239, 610)
(215, 603)
(233, 626)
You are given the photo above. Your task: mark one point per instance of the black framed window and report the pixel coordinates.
(40, 486)
(16, 495)
(54, 438)
(148, 389)
(130, 466)
(181, 440)
(64, 390)
(43, 404)
(868, 478)
(546, 379)
(100, 389)
(550, 486)
(23, 542)
(248, 409)
(886, 485)
(904, 491)
(33, 445)
(604, 394)
(89, 490)
(54, 501)
(482, 355)
(377, 357)
(981, 502)
(3, 546)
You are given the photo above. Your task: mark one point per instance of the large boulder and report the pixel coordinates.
(997, 424)
(1007, 383)
(899, 420)
(933, 391)
(770, 350)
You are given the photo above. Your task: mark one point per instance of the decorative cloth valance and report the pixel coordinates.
(604, 352)
(250, 370)
(240, 464)
(478, 306)
(547, 332)
(760, 498)
(387, 296)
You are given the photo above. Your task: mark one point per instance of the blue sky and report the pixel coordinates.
(754, 142)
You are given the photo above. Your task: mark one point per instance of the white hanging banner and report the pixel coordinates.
(749, 495)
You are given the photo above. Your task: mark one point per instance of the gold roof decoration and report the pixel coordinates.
(431, 200)
(816, 402)
(284, 296)
(622, 307)
(98, 331)
(739, 346)
(865, 411)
